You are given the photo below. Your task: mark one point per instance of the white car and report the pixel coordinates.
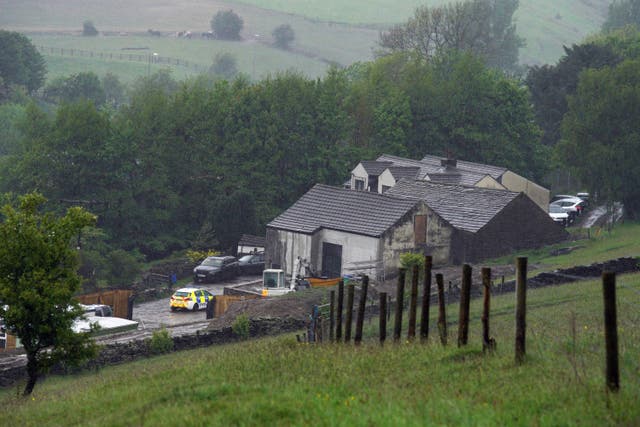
(573, 206)
(558, 214)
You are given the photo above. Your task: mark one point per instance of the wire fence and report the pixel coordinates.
(146, 57)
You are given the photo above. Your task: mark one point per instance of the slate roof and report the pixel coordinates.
(465, 208)
(358, 212)
(374, 167)
(478, 168)
(431, 169)
(251, 240)
(407, 172)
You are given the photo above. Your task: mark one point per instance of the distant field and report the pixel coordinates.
(325, 31)
(256, 60)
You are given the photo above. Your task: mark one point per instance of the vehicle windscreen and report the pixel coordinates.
(245, 258)
(212, 262)
(555, 209)
(181, 294)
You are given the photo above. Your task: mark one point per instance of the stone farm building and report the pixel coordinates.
(383, 173)
(341, 231)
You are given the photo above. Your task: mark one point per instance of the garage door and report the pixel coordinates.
(331, 260)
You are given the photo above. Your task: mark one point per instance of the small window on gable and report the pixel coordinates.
(359, 184)
(385, 188)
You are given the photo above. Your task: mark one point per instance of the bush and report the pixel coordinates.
(161, 342)
(224, 64)
(284, 35)
(408, 260)
(241, 326)
(226, 25)
(88, 29)
(198, 256)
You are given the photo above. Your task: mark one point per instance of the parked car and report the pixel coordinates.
(560, 197)
(252, 263)
(192, 299)
(558, 214)
(216, 268)
(584, 196)
(571, 204)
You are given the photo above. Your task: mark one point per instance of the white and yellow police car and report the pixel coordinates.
(190, 299)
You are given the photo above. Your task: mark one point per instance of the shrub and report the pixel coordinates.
(88, 29)
(161, 342)
(226, 25)
(283, 35)
(197, 256)
(240, 326)
(224, 64)
(408, 260)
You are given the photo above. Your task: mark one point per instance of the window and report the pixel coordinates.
(359, 184)
(385, 188)
(420, 229)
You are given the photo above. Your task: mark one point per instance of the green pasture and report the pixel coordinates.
(277, 381)
(333, 31)
(255, 60)
(597, 244)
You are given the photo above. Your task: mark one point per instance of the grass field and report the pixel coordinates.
(277, 381)
(326, 31)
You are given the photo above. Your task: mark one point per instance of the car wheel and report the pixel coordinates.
(195, 307)
(174, 308)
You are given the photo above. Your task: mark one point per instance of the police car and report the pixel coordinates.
(190, 299)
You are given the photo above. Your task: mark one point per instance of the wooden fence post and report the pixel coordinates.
(442, 314)
(361, 309)
(339, 310)
(383, 317)
(521, 308)
(426, 296)
(611, 330)
(332, 298)
(413, 303)
(349, 315)
(465, 297)
(397, 329)
(488, 343)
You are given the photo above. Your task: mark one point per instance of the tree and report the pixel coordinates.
(37, 282)
(225, 65)
(601, 134)
(483, 27)
(88, 29)
(622, 13)
(20, 62)
(550, 85)
(76, 87)
(284, 35)
(226, 25)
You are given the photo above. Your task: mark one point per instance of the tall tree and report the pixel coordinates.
(622, 13)
(550, 85)
(601, 134)
(76, 87)
(37, 282)
(483, 27)
(226, 25)
(20, 62)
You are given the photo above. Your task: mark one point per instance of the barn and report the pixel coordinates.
(339, 231)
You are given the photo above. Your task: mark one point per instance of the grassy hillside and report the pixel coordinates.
(327, 31)
(280, 382)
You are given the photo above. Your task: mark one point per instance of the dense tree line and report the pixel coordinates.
(196, 163)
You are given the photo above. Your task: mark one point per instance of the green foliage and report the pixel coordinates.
(601, 136)
(38, 280)
(88, 29)
(77, 87)
(226, 25)
(550, 85)
(161, 342)
(241, 326)
(409, 259)
(283, 35)
(21, 63)
(482, 27)
(622, 13)
(197, 256)
(224, 65)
